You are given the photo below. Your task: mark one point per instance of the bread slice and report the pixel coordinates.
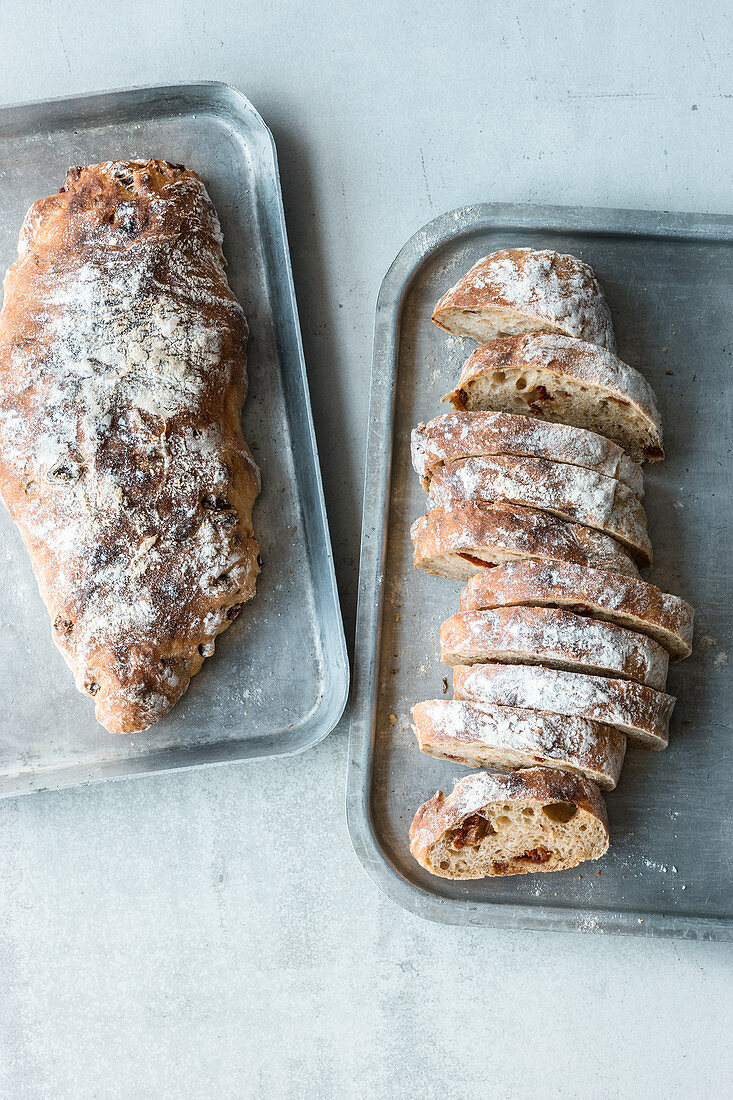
(570, 492)
(640, 712)
(611, 597)
(520, 290)
(470, 434)
(558, 379)
(482, 735)
(549, 636)
(538, 819)
(459, 541)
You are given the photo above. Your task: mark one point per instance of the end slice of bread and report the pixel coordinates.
(538, 819)
(518, 290)
(485, 735)
(611, 597)
(557, 379)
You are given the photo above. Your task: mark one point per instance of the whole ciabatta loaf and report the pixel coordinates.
(566, 381)
(602, 594)
(458, 435)
(122, 460)
(521, 290)
(537, 819)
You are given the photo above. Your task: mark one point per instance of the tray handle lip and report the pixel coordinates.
(179, 88)
(392, 293)
(603, 221)
(338, 665)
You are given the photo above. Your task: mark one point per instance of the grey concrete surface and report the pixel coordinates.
(211, 935)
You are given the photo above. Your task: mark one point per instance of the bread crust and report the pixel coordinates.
(624, 600)
(564, 360)
(549, 291)
(534, 787)
(122, 460)
(486, 735)
(460, 435)
(554, 637)
(504, 532)
(572, 493)
(637, 711)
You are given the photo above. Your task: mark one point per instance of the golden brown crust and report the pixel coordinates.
(122, 460)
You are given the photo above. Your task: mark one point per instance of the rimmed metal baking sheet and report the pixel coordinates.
(279, 680)
(669, 280)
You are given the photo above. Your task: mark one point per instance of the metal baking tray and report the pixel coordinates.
(279, 680)
(669, 281)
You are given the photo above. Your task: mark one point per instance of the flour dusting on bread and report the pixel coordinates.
(122, 377)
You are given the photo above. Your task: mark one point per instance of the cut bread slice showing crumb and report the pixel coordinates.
(553, 637)
(635, 710)
(537, 819)
(557, 379)
(518, 290)
(462, 540)
(470, 434)
(612, 597)
(570, 492)
(487, 736)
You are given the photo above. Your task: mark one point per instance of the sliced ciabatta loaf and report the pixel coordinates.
(638, 711)
(537, 819)
(553, 637)
(558, 379)
(570, 492)
(458, 541)
(520, 290)
(484, 736)
(610, 596)
(470, 434)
